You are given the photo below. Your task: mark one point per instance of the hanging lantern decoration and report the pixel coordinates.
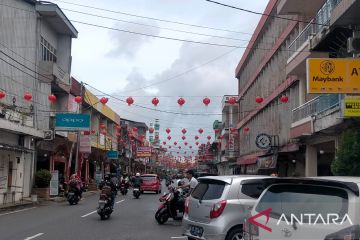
(185, 143)
(118, 127)
(259, 99)
(208, 137)
(168, 130)
(134, 129)
(27, 96)
(233, 130)
(155, 101)
(217, 131)
(93, 131)
(183, 131)
(103, 132)
(130, 135)
(196, 137)
(169, 146)
(164, 143)
(104, 100)
(246, 129)
(181, 101)
(51, 98)
(232, 100)
(284, 99)
(179, 147)
(175, 143)
(157, 137)
(151, 130)
(190, 147)
(206, 101)
(78, 99)
(118, 134)
(2, 94)
(102, 126)
(169, 137)
(129, 101)
(183, 137)
(201, 130)
(208, 143)
(197, 143)
(220, 137)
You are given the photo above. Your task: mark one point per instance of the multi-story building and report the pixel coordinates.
(35, 60)
(282, 127)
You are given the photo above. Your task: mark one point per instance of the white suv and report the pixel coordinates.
(320, 208)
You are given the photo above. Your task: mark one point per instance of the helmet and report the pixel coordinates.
(107, 177)
(180, 183)
(137, 175)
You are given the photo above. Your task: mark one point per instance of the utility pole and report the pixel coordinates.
(79, 132)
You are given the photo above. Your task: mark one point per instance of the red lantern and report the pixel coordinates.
(183, 131)
(201, 130)
(259, 99)
(129, 101)
(185, 143)
(93, 131)
(168, 130)
(2, 94)
(130, 135)
(86, 132)
(104, 132)
(179, 147)
(232, 100)
(102, 126)
(181, 101)
(190, 147)
(169, 146)
(196, 137)
(151, 130)
(27, 96)
(104, 100)
(208, 143)
(246, 129)
(233, 130)
(118, 127)
(220, 137)
(51, 98)
(208, 137)
(155, 101)
(169, 138)
(78, 99)
(184, 152)
(164, 142)
(183, 137)
(175, 143)
(197, 143)
(134, 129)
(217, 131)
(206, 101)
(118, 134)
(284, 99)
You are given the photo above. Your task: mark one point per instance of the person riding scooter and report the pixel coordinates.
(75, 185)
(107, 182)
(124, 186)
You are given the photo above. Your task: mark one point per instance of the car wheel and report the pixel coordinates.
(235, 234)
(190, 238)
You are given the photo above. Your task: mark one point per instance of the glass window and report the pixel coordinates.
(48, 52)
(253, 190)
(208, 190)
(148, 178)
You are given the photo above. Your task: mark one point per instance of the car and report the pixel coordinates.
(204, 174)
(151, 182)
(325, 208)
(217, 207)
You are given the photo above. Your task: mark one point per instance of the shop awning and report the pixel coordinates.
(8, 147)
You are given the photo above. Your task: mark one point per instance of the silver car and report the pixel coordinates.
(217, 207)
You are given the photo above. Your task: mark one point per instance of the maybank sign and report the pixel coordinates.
(333, 75)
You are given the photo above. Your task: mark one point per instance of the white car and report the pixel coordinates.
(325, 208)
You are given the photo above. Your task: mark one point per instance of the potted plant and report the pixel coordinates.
(42, 182)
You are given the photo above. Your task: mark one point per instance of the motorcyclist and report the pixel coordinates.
(107, 182)
(137, 181)
(76, 184)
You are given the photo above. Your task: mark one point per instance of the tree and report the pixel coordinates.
(42, 178)
(347, 159)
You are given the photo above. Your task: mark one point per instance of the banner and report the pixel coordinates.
(143, 152)
(268, 161)
(352, 108)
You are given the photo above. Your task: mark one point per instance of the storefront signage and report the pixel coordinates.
(112, 154)
(54, 183)
(352, 108)
(143, 152)
(85, 143)
(263, 141)
(72, 122)
(268, 161)
(333, 75)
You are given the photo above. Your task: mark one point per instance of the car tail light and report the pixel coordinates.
(350, 233)
(187, 203)
(217, 209)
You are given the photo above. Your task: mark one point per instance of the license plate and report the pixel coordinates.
(136, 189)
(196, 231)
(71, 193)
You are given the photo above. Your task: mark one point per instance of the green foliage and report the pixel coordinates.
(347, 160)
(42, 178)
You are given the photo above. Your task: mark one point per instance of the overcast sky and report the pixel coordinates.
(120, 63)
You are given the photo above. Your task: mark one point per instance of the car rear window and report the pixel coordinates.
(148, 178)
(253, 190)
(208, 190)
(303, 199)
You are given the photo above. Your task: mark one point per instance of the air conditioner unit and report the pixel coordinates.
(353, 45)
(48, 135)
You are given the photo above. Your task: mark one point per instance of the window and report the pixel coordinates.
(148, 178)
(296, 199)
(48, 52)
(208, 190)
(253, 190)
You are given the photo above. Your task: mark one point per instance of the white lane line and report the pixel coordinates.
(120, 201)
(22, 210)
(178, 237)
(35, 236)
(89, 214)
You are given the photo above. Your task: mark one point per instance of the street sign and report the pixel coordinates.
(263, 141)
(112, 154)
(143, 152)
(72, 122)
(333, 75)
(352, 108)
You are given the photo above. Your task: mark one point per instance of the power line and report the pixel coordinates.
(151, 18)
(263, 14)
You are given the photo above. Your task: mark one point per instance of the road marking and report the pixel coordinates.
(22, 210)
(89, 214)
(120, 201)
(178, 237)
(35, 236)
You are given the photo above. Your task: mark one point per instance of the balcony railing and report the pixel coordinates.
(321, 19)
(316, 106)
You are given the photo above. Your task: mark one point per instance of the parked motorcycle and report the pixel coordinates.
(136, 192)
(172, 203)
(105, 203)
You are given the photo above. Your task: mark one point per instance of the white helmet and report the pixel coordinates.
(137, 174)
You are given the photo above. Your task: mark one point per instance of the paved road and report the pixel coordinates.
(133, 219)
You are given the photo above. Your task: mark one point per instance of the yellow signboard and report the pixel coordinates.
(333, 75)
(352, 108)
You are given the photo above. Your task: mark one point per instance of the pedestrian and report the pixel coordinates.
(192, 181)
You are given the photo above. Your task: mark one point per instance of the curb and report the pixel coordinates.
(17, 206)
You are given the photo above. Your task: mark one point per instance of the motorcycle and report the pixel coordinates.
(123, 189)
(73, 196)
(171, 203)
(105, 203)
(136, 192)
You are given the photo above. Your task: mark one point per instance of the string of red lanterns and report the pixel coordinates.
(2, 94)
